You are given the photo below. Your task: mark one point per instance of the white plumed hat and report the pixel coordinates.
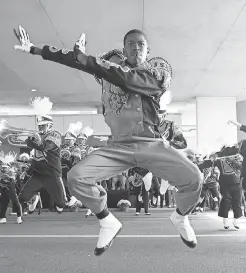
(42, 107)
(86, 132)
(73, 130)
(7, 159)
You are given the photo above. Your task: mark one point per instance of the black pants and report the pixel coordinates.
(15, 206)
(231, 198)
(212, 187)
(145, 196)
(243, 184)
(53, 185)
(6, 196)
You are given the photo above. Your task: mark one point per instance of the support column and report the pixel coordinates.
(212, 114)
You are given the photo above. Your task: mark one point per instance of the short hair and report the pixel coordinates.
(133, 31)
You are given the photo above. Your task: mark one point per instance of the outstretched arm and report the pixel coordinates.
(139, 81)
(62, 56)
(239, 125)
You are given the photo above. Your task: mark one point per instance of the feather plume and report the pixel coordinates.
(41, 106)
(8, 158)
(87, 131)
(75, 128)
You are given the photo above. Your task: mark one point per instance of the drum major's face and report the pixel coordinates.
(135, 49)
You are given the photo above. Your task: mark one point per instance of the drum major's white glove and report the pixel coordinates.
(23, 37)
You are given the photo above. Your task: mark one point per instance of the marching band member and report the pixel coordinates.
(8, 188)
(131, 96)
(229, 166)
(72, 134)
(66, 164)
(210, 183)
(22, 165)
(242, 151)
(142, 194)
(82, 138)
(26, 172)
(46, 163)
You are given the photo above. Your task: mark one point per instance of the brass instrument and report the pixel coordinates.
(235, 157)
(14, 135)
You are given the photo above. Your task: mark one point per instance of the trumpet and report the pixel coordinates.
(14, 135)
(235, 157)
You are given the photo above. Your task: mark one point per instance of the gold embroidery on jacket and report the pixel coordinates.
(53, 49)
(65, 51)
(117, 99)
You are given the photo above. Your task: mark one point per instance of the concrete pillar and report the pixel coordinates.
(212, 114)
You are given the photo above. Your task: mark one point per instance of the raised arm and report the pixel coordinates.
(144, 82)
(62, 56)
(52, 141)
(239, 125)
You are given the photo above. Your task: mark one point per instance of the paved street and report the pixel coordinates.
(64, 243)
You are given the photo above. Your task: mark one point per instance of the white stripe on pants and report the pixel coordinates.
(163, 162)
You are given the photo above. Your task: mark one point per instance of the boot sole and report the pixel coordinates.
(100, 251)
(190, 244)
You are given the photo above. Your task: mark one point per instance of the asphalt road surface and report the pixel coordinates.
(64, 243)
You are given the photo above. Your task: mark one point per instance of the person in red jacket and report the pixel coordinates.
(131, 93)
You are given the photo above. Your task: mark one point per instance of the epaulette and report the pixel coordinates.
(160, 69)
(54, 136)
(107, 56)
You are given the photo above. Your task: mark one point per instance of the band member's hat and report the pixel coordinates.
(86, 132)
(42, 120)
(118, 58)
(73, 130)
(42, 108)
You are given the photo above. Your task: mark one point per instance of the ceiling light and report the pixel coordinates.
(33, 90)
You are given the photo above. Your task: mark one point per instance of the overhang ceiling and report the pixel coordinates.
(205, 42)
